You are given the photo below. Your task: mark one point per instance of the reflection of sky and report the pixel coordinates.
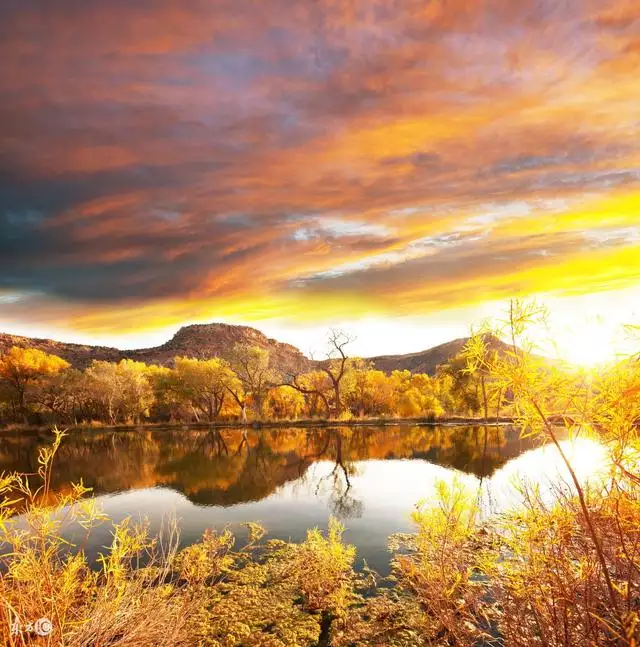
(385, 492)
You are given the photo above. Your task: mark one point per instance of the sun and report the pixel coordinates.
(594, 343)
(589, 347)
(592, 330)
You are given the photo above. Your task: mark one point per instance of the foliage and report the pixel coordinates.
(121, 392)
(256, 376)
(21, 368)
(204, 385)
(285, 404)
(563, 571)
(43, 387)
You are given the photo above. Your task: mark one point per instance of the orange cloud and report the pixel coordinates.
(195, 160)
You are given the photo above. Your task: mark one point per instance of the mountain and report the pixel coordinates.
(78, 355)
(427, 361)
(216, 339)
(202, 341)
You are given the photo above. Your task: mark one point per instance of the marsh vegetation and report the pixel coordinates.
(559, 570)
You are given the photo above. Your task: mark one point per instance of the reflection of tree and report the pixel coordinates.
(341, 501)
(215, 440)
(229, 466)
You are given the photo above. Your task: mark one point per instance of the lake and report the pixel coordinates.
(291, 479)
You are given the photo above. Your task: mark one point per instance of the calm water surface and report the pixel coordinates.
(292, 479)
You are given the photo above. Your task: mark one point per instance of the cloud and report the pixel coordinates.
(332, 227)
(193, 158)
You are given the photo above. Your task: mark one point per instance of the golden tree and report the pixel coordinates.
(21, 368)
(256, 376)
(204, 384)
(123, 391)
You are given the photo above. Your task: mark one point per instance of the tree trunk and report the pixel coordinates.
(219, 403)
(485, 404)
(195, 413)
(258, 406)
(22, 407)
(338, 403)
(111, 414)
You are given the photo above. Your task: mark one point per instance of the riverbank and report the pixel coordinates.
(270, 424)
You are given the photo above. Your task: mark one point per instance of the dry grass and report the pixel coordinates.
(117, 605)
(557, 573)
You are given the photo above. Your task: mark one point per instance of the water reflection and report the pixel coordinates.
(293, 479)
(229, 466)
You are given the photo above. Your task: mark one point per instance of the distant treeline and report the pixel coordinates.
(39, 388)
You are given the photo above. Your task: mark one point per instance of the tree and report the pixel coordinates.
(465, 388)
(21, 368)
(479, 355)
(414, 395)
(285, 403)
(542, 394)
(168, 403)
(315, 388)
(380, 398)
(365, 390)
(335, 365)
(256, 376)
(64, 394)
(204, 384)
(356, 387)
(123, 391)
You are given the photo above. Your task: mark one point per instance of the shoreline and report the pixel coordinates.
(269, 424)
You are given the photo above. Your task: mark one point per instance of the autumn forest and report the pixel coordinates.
(41, 388)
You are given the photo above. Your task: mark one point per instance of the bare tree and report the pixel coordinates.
(333, 368)
(335, 365)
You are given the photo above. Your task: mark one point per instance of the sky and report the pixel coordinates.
(398, 168)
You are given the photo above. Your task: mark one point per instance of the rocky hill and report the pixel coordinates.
(427, 361)
(215, 340)
(201, 341)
